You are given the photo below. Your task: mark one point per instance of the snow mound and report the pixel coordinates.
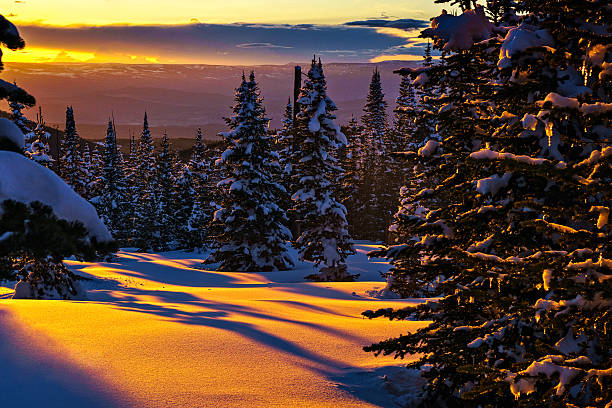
(460, 32)
(25, 181)
(518, 40)
(429, 148)
(10, 131)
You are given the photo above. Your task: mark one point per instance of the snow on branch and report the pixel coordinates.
(456, 33)
(16, 171)
(487, 154)
(520, 38)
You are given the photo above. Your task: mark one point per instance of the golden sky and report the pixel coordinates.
(41, 21)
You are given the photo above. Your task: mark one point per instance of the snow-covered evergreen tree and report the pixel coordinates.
(146, 205)
(284, 148)
(253, 236)
(37, 148)
(198, 164)
(377, 198)
(113, 203)
(203, 183)
(374, 118)
(166, 195)
(518, 224)
(351, 182)
(71, 160)
(324, 237)
(17, 116)
(284, 142)
(191, 221)
(405, 112)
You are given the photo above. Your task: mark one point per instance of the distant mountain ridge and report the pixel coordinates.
(179, 98)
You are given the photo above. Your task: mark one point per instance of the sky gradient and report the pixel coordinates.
(214, 32)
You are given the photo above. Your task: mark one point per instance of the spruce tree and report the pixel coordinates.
(113, 202)
(284, 144)
(17, 116)
(253, 236)
(166, 195)
(406, 110)
(351, 182)
(146, 206)
(37, 148)
(191, 221)
(198, 165)
(518, 222)
(200, 168)
(284, 148)
(324, 237)
(374, 118)
(380, 179)
(71, 161)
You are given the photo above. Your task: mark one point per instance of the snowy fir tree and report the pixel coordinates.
(377, 197)
(324, 237)
(17, 116)
(204, 187)
(406, 110)
(198, 165)
(37, 148)
(147, 227)
(374, 118)
(350, 184)
(513, 231)
(113, 202)
(165, 178)
(89, 174)
(191, 221)
(42, 221)
(253, 235)
(71, 161)
(284, 145)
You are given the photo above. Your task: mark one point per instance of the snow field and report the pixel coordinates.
(158, 332)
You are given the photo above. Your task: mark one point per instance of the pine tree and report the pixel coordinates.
(37, 148)
(427, 58)
(351, 188)
(166, 195)
(284, 148)
(146, 206)
(324, 237)
(17, 116)
(406, 111)
(201, 179)
(198, 165)
(113, 203)
(88, 175)
(374, 118)
(518, 224)
(284, 144)
(71, 161)
(378, 197)
(133, 187)
(191, 221)
(253, 236)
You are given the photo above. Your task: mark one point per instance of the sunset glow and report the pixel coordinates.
(101, 31)
(104, 12)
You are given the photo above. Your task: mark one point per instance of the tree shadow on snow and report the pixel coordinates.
(33, 378)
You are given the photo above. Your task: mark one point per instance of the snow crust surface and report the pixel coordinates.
(158, 331)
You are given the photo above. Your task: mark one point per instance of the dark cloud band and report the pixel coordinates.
(225, 43)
